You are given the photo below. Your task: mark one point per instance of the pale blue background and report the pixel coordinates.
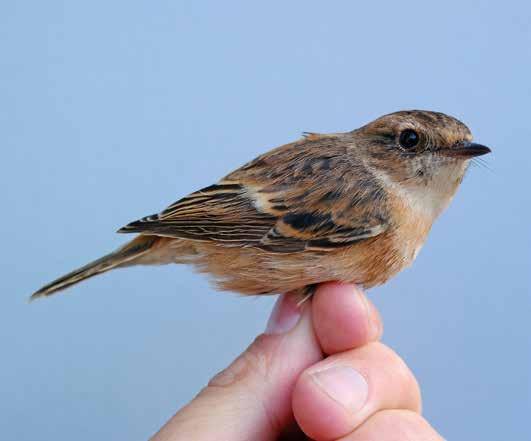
(111, 110)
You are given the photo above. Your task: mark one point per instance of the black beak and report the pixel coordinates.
(465, 150)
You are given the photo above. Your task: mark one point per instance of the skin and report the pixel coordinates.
(290, 383)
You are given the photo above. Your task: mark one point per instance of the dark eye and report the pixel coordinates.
(408, 139)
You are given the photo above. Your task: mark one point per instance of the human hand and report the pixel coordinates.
(318, 371)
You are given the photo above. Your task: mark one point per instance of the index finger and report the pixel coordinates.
(343, 317)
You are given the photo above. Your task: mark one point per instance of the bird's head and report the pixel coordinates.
(423, 155)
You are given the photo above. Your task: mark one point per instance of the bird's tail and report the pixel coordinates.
(121, 257)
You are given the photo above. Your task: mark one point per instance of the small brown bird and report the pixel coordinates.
(353, 207)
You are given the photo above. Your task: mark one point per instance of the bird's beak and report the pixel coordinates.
(465, 150)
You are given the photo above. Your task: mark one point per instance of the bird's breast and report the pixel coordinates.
(373, 261)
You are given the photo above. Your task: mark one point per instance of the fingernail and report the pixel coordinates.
(284, 316)
(344, 385)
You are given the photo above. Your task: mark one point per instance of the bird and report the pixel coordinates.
(353, 206)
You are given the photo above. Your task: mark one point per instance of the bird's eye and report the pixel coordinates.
(408, 139)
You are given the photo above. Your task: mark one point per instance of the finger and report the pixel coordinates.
(251, 399)
(394, 425)
(344, 318)
(338, 394)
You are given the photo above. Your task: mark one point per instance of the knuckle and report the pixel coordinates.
(246, 379)
(255, 361)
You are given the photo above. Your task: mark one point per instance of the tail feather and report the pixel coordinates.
(121, 257)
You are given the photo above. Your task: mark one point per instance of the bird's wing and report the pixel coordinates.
(221, 213)
(306, 195)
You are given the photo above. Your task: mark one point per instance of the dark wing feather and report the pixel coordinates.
(306, 195)
(326, 234)
(220, 213)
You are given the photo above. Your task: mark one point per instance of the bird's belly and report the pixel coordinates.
(253, 271)
(374, 261)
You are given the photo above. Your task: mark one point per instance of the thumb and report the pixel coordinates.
(251, 399)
